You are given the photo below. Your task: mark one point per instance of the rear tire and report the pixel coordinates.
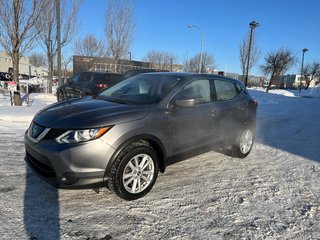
(134, 171)
(244, 142)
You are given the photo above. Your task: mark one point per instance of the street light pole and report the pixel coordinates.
(303, 52)
(58, 39)
(252, 26)
(201, 49)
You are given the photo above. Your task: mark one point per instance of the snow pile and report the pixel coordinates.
(24, 113)
(315, 91)
(34, 81)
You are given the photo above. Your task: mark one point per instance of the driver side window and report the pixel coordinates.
(198, 90)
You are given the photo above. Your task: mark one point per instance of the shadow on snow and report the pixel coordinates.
(289, 123)
(41, 209)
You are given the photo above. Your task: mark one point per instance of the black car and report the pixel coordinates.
(135, 72)
(129, 132)
(87, 84)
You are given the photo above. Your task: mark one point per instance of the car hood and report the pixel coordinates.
(88, 113)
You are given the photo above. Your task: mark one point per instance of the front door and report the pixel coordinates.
(191, 127)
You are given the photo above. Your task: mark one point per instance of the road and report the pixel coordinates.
(272, 194)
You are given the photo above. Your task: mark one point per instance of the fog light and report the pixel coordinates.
(69, 178)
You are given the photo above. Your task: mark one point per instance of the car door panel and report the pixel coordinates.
(192, 127)
(230, 108)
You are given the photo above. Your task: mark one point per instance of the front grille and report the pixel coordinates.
(41, 168)
(54, 133)
(35, 130)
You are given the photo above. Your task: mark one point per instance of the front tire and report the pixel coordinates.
(134, 172)
(244, 142)
(60, 96)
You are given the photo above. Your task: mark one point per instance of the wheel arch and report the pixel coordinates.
(148, 140)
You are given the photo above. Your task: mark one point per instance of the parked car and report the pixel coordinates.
(135, 72)
(87, 84)
(122, 138)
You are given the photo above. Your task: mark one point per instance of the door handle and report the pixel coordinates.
(212, 113)
(242, 107)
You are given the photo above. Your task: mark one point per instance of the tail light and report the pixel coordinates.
(253, 102)
(100, 85)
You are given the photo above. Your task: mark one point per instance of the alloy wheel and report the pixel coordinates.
(246, 141)
(138, 173)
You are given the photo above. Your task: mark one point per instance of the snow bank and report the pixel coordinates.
(35, 80)
(24, 113)
(313, 92)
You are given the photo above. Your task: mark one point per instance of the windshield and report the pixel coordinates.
(141, 89)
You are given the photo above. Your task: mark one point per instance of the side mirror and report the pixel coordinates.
(185, 102)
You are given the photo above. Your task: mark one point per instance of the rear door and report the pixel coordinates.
(114, 79)
(69, 88)
(87, 84)
(230, 107)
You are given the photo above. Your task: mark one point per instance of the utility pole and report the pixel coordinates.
(303, 52)
(59, 40)
(201, 46)
(51, 68)
(252, 26)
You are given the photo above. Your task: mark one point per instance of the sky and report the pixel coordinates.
(162, 25)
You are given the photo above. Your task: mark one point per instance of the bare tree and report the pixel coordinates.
(161, 59)
(89, 46)
(17, 20)
(311, 71)
(243, 53)
(65, 62)
(48, 36)
(38, 59)
(208, 62)
(119, 28)
(277, 63)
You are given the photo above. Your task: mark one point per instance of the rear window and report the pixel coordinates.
(225, 90)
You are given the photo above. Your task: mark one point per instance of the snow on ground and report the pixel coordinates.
(23, 113)
(272, 194)
(313, 92)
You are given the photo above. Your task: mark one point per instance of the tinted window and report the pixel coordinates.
(88, 77)
(198, 90)
(108, 78)
(225, 90)
(75, 78)
(239, 88)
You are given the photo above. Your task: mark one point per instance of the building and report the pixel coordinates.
(105, 64)
(25, 68)
(6, 64)
(288, 81)
(253, 80)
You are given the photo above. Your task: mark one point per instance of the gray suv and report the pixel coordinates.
(123, 137)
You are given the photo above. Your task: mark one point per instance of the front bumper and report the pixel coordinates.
(69, 166)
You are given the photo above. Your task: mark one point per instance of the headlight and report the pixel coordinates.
(75, 136)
